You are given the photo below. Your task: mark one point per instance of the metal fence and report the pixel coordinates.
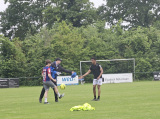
(30, 81)
(38, 81)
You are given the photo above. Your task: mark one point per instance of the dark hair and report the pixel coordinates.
(58, 59)
(93, 58)
(48, 61)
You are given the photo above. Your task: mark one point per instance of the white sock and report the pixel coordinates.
(45, 99)
(58, 94)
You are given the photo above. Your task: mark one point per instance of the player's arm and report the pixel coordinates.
(85, 74)
(101, 69)
(49, 75)
(65, 70)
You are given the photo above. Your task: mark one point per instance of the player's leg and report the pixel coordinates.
(57, 92)
(55, 95)
(99, 91)
(94, 89)
(45, 95)
(46, 87)
(52, 85)
(41, 95)
(99, 83)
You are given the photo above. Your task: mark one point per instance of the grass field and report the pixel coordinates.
(138, 100)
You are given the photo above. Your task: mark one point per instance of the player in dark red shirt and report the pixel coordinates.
(97, 72)
(47, 83)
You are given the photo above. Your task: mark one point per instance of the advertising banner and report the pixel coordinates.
(4, 83)
(13, 82)
(9, 82)
(117, 78)
(156, 76)
(67, 80)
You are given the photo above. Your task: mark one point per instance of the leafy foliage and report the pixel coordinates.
(77, 12)
(136, 12)
(22, 17)
(73, 44)
(13, 63)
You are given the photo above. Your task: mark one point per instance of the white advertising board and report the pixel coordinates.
(67, 80)
(117, 78)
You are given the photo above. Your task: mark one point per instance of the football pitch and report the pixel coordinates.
(138, 100)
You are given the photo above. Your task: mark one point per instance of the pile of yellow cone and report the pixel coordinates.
(84, 107)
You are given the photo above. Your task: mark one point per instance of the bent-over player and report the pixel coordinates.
(97, 71)
(56, 69)
(47, 83)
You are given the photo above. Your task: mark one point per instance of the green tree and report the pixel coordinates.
(157, 25)
(70, 43)
(73, 44)
(77, 12)
(143, 45)
(13, 62)
(136, 12)
(22, 17)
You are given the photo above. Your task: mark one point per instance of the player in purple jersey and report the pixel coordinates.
(56, 70)
(46, 73)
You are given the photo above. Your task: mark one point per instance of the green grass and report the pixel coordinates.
(138, 100)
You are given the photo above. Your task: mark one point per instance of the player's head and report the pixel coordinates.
(58, 60)
(48, 62)
(93, 59)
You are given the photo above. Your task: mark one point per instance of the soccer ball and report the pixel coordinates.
(62, 86)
